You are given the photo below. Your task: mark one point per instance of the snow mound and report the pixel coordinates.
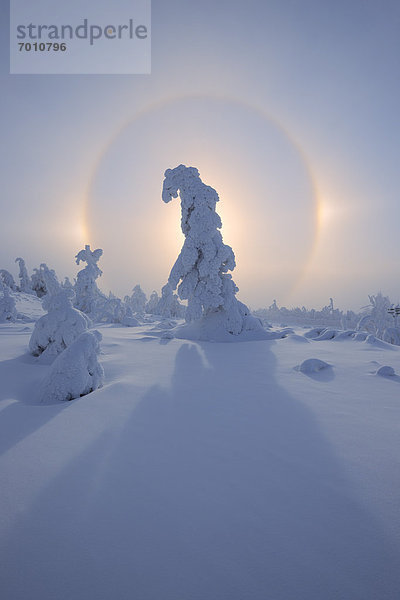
(213, 328)
(373, 341)
(28, 306)
(312, 365)
(327, 334)
(386, 371)
(313, 333)
(348, 334)
(75, 372)
(298, 338)
(361, 336)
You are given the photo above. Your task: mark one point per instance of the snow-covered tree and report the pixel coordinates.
(75, 372)
(7, 279)
(67, 285)
(24, 279)
(116, 311)
(37, 283)
(87, 294)
(377, 319)
(137, 301)
(169, 305)
(57, 330)
(44, 281)
(8, 313)
(151, 306)
(201, 269)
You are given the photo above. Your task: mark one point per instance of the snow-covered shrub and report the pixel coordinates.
(24, 279)
(7, 279)
(137, 301)
(151, 306)
(377, 319)
(8, 313)
(75, 372)
(58, 329)
(37, 283)
(88, 298)
(169, 305)
(44, 281)
(115, 311)
(392, 335)
(67, 285)
(201, 269)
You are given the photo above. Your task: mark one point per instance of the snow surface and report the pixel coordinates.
(202, 471)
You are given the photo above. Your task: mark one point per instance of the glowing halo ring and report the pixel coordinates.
(156, 106)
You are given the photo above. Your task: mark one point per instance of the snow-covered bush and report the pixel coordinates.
(88, 298)
(392, 335)
(44, 281)
(75, 372)
(137, 301)
(7, 279)
(151, 306)
(67, 285)
(115, 311)
(377, 319)
(58, 329)
(169, 305)
(24, 279)
(8, 313)
(37, 283)
(201, 269)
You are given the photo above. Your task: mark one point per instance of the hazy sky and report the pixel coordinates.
(288, 108)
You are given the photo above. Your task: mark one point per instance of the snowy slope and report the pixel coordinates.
(202, 471)
(28, 306)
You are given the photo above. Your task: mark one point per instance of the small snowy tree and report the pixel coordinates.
(7, 279)
(8, 313)
(151, 306)
(201, 269)
(44, 281)
(87, 295)
(24, 279)
(169, 305)
(37, 283)
(75, 372)
(67, 285)
(137, 301)
(57, 330)
(116, 311)
(378, 319)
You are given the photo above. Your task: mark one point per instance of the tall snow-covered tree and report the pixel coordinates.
(8, 312)
(24, 279)
(7, 279)
(201, 269)
(87, 294)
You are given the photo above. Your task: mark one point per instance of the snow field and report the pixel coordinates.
(202, 470)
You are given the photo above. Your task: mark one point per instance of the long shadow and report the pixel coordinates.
(19, 381)
(220, 488)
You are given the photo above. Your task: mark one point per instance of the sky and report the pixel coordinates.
(288, 108)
